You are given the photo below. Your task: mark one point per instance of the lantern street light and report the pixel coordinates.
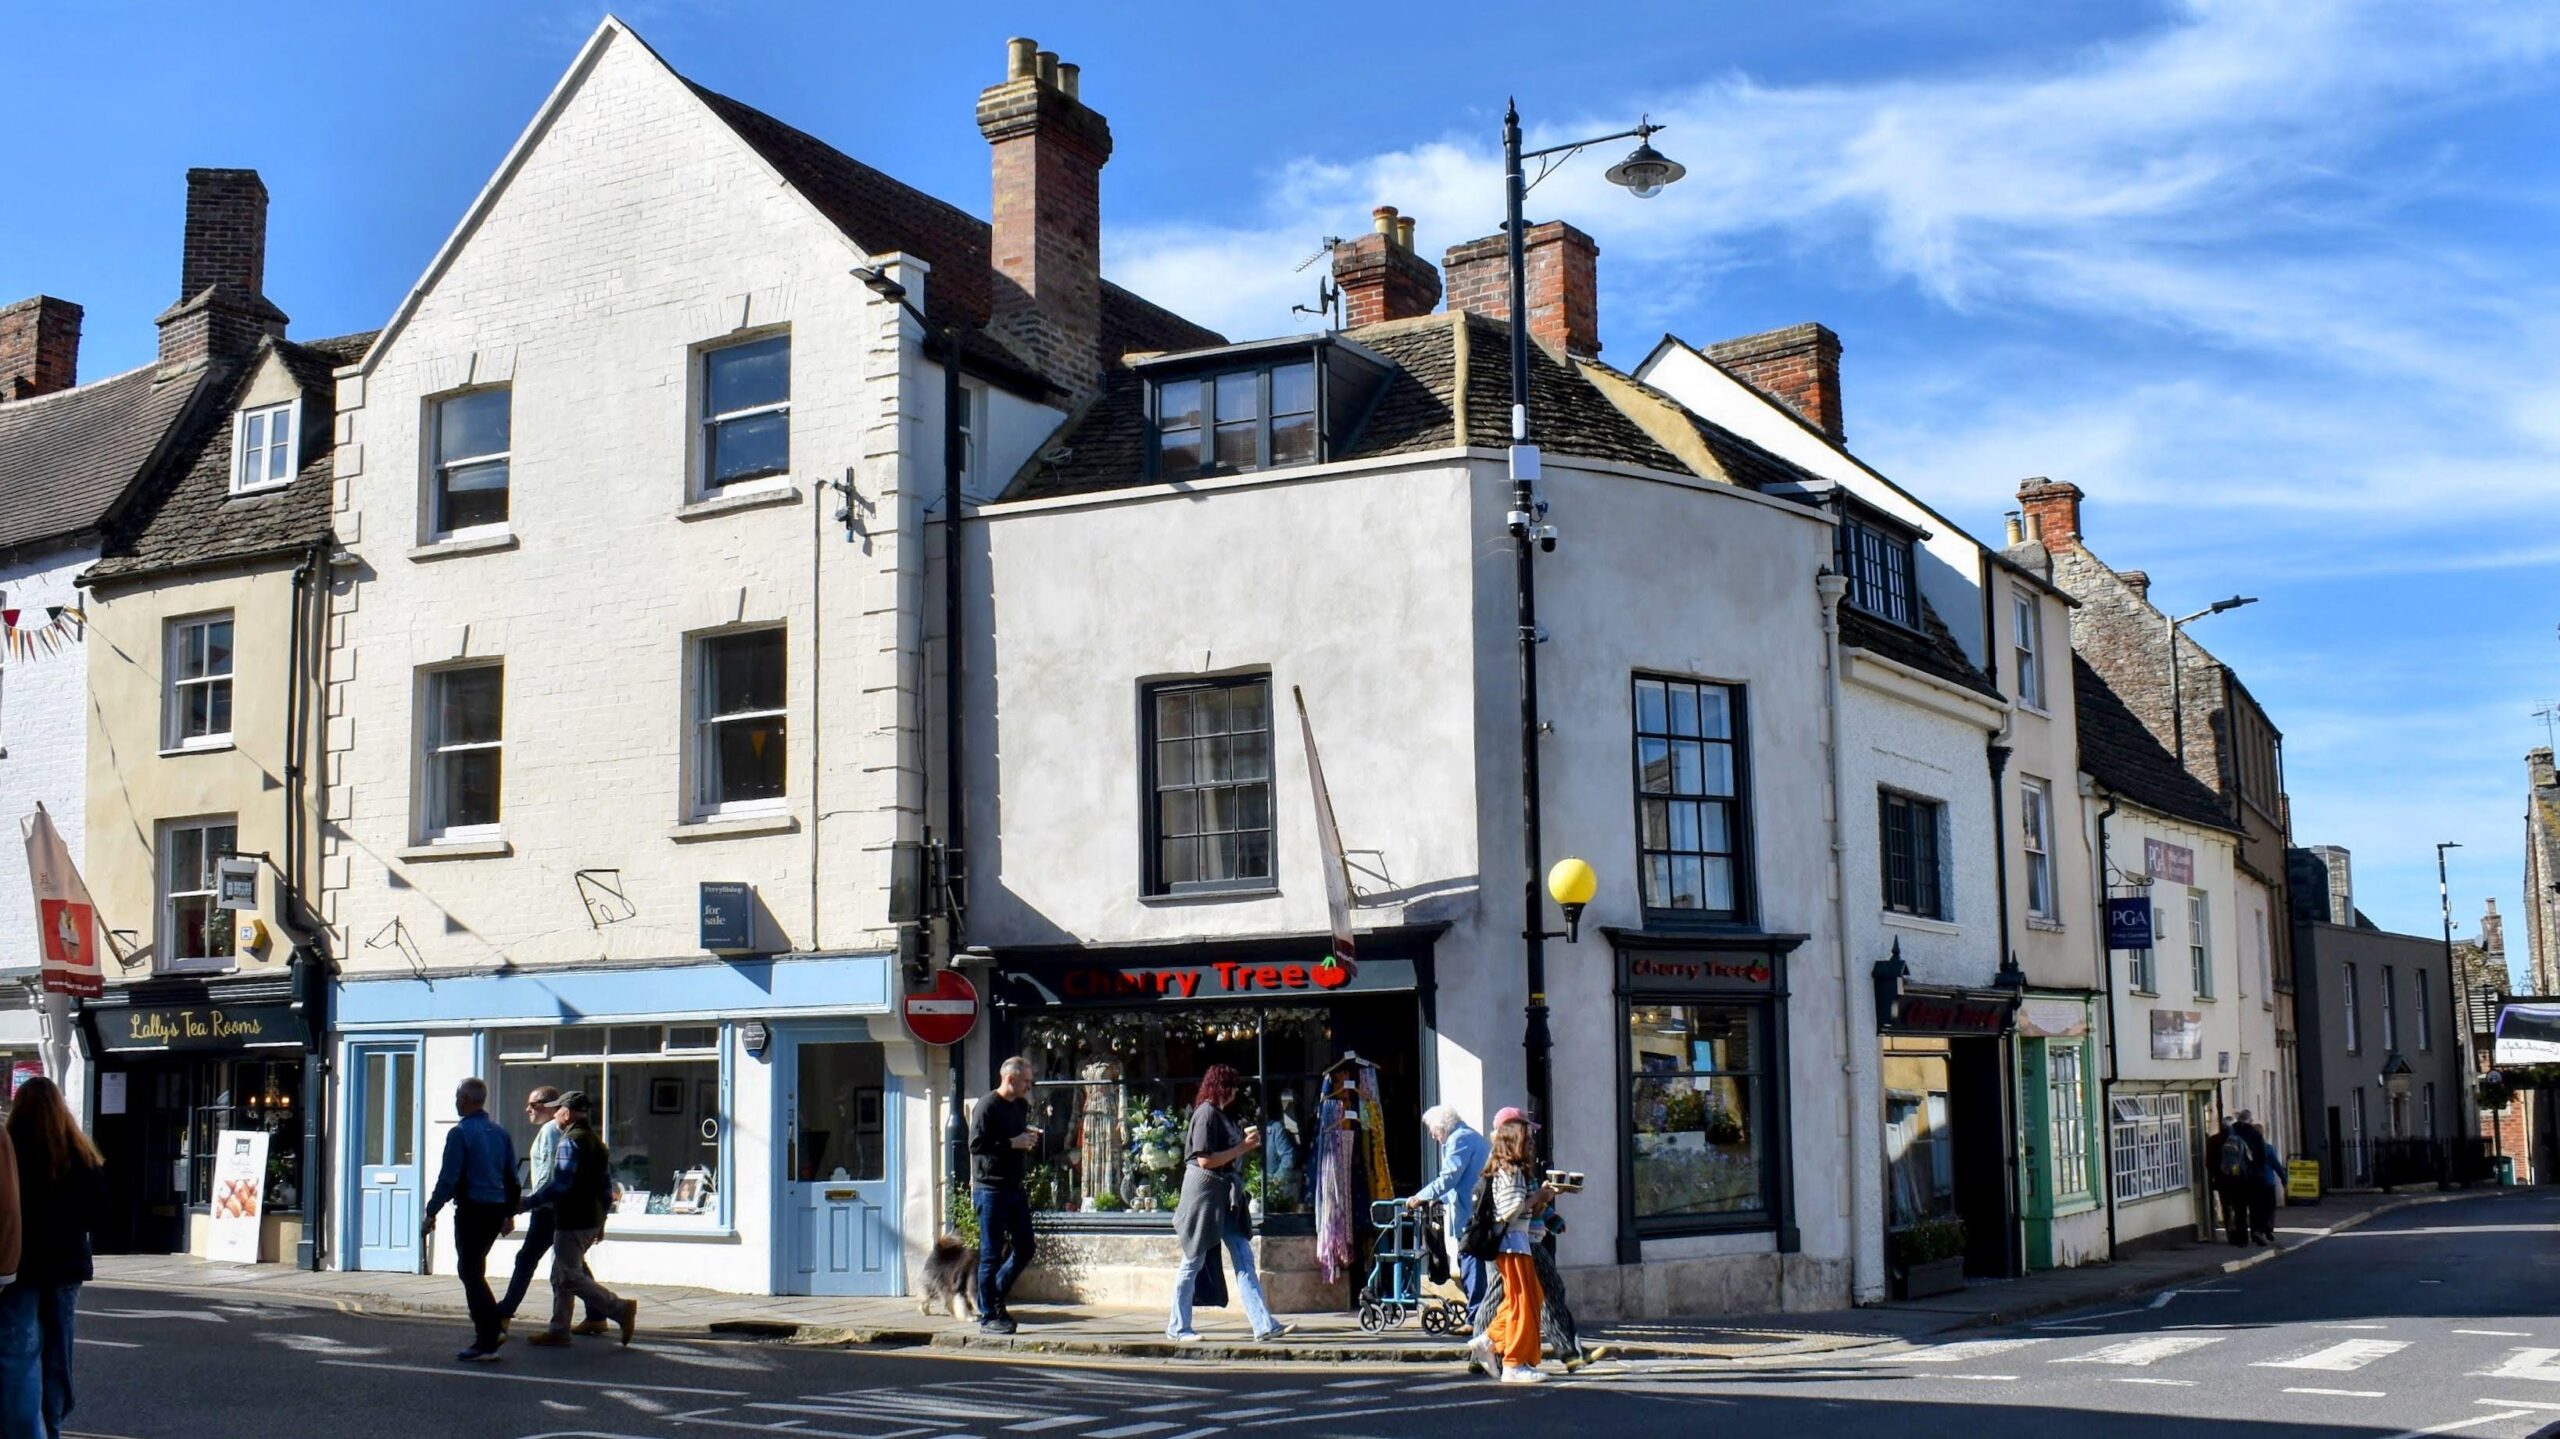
(1571, 884)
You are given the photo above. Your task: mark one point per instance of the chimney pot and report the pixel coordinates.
(39, 348)
(1048, 61)
(2017, 528)
(1383, 219)
(1380, 277)
(1798, 366)
(1404, 233)
(1019, 58)
(1070, 81)
(2053, 511)
(1562, 267)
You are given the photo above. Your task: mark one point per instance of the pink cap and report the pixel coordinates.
(1509, 1113)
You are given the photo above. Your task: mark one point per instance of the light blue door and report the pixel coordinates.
(386, 1170)
(839, 1189)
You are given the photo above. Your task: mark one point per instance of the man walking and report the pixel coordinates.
(1000, 1137)
(2233, 1169)
(478, 1179)
(1462, 1156)
(2257, 1199)
(578, 1193)
(541, 1106)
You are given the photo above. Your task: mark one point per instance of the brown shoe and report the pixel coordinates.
(593, 1326)
(630, 1320)
(549, 1339)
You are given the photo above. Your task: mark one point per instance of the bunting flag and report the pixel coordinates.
(66, 920)
(1337, 882)
(23, 638)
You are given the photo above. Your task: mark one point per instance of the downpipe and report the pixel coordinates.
(1861, 1067)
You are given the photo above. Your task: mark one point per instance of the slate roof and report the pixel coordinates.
(67, 459)
(1417, 411)
(189, 518)
(881, 215)
(1931, 649)
(2119, 751)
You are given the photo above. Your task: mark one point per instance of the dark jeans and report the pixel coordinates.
(476, 1228)
(22, 1362)
(1005, 1245)
(538, 1229)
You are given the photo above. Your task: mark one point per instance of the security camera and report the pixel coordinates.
(1520, 522)
(1547, 538)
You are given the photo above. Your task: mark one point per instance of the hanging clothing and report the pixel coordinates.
(1373, 1134)
(1335, 1149)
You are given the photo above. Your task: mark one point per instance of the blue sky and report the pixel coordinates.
(2276, 283)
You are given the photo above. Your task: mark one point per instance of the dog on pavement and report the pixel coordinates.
(951, 1277)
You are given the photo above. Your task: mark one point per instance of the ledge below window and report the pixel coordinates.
(458, 849)
(1212, 896)
(1895, 920)
(204, 746)
(755, 499)
(468, 545)
(732, 826)
(2042, 925)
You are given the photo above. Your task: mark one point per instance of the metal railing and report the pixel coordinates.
(2398, 1163)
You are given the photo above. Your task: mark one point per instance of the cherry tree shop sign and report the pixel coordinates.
(945, 1013)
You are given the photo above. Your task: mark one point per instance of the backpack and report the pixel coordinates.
(2233, 1162)
(1482, 1239)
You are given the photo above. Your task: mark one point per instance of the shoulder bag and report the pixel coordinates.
(1482, 1240)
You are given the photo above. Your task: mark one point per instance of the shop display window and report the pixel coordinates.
(1698, 1103)
(657, 1089)
(254, 1094)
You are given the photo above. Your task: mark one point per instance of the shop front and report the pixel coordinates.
(2064, 1200)
(176, 1063)
(1950, 1161)
(760, 1113)
(1118, 1038)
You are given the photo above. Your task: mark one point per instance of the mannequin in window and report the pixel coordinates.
(1284, 1156)
(1102, 1131)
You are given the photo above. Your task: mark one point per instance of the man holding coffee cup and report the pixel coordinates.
(1001, 1136)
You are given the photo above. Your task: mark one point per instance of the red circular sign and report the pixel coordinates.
(945, 1013)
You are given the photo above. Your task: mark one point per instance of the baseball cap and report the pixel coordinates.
(1509, 1113)
(578, 1101)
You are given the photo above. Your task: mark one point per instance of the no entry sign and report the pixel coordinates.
(945, 1013)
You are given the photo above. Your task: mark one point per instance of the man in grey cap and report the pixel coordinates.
(579, 1193)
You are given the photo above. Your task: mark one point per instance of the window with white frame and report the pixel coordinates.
(2355, 1026)
(746, 412)
(461, 736)
(193, 934)
(2066, 1107)
(2150, 1143)
(2390, 1010)
(2027, 640)
(2035, 817)
(198, 671)
(2428, 1118)
(474, 433)
(2200, 943)
(659, 1092)
(973, 431)
(265, 443)
(2426, 1024)
(739, 721)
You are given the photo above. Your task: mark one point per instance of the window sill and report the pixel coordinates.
(760, 496)
(1920, 923)
(2042, 925)
(731, 826)
(665, 1226)
(1211, 896)
(457, 849)
(2039, 711)
(2140, 993)
(468, 545)
(242, 492)
(198, 747)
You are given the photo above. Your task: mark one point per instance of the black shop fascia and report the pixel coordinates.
(1950, 1105)
(1119, 1035)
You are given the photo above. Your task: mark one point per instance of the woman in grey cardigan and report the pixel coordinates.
(1211, 1214)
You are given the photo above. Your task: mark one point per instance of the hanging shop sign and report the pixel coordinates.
(2177, 1034)
(2129, 923)
(243, 1026)
(235, 884)
(2169, 863)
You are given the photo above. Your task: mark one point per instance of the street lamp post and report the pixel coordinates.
(2177, 705)
(2459, 992)
(1644, 172)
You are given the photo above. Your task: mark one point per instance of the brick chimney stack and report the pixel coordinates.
(1380, 276)
(2493, 932)
(39, 348)
(222, 308)
(1047, 237)
(1562, 266)
(2138, 581)
(1799, 367)
(2052, 509)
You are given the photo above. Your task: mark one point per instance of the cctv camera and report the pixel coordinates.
(1547, 538)
(1519, 522)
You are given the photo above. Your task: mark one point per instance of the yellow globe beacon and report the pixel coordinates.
(1572, 883)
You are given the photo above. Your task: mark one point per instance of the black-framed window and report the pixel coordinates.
(1876, 559)
(1689, 811)
(1258, 418)
(1208, 764)
(1699, 1105)
(1909, 844)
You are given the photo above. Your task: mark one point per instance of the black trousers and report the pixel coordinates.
(476, 1228)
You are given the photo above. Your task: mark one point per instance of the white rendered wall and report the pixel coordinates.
(44, 756)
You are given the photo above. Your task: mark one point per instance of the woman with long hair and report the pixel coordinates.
(1211, 1214)
(1510, 1347)
(61, 1191)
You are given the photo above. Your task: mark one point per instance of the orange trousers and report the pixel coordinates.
(1515, 1328)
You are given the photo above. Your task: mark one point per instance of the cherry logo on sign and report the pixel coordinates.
(945, 1013)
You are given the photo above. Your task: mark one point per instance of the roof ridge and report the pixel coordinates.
(90, 387)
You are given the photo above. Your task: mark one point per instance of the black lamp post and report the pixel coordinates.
(948, 892)
(2177, 706)
(1644, 172)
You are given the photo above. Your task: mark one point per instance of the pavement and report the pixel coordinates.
(2427, 1319)
(1108, 1333)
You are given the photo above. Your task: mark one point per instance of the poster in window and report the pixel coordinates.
(693, 1188)
(239, 1196)
(666, 1095)
(2177, 1034)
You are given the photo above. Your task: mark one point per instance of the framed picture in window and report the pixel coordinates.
(666, 1095)
(692, 1192)
(867, 1111)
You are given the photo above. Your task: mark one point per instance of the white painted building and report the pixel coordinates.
(626, 732)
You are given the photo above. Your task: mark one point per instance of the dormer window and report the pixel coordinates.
(1256, 407)
(1876, 558)
(263, 447)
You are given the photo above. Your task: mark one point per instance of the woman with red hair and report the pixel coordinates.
(1211, 1214)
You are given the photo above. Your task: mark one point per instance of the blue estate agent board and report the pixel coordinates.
(2129, 923)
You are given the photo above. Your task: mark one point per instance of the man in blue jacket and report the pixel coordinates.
(479, 1180)
(1462, 1155)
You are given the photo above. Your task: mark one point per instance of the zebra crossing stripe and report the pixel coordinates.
(2528, 1364)
(2144, 1351)
(2341, 1358)
(1961, 1351)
